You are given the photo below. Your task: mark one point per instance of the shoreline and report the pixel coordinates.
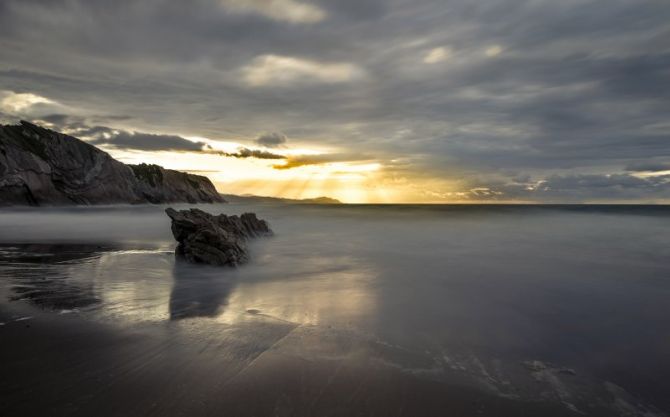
(97, 369)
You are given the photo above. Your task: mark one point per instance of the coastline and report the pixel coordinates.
(98, 369)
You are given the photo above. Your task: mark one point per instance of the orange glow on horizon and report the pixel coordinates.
(349, 181)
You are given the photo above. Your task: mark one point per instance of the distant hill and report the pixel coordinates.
(276, 200)
(41, 167)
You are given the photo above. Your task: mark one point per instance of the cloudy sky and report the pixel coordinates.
(361, 100)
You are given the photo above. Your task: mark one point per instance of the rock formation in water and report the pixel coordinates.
(41, 167)
(215, 240)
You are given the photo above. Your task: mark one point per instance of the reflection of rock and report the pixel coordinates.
(216, 240)
(198, 292)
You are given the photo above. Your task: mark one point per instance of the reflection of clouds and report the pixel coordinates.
(134, 285)
(317, 298)
(51, 290)
(138, 287)
(38, 277)
(147, 285)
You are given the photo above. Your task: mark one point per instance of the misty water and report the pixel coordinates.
(350, 308)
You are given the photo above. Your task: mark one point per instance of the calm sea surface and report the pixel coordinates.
(347, 310)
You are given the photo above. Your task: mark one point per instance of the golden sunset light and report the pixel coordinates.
(334, 208)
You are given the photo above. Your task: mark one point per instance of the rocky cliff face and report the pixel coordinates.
(41, 167)
(159, 185)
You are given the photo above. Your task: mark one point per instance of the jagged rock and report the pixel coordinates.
(41, 167)
(215, 240)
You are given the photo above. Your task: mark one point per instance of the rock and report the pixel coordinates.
(215, 240)
(41, 167)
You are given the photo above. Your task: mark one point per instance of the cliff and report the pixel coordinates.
(41, 167)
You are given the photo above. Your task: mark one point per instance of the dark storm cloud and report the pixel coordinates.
(271, 140)
(579, 88)
(59, 120)
(97, 133)
(149, 142)
(122, 139)
(606, 187)
(577, 188)
(648, 167)
(152, 142)
(252, 153)
(118, 138)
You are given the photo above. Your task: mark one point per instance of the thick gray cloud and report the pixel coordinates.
(146, 141)
(271, 140)
(543, 89)
(252, 153)
(122, 139)
(82, 128)
(577, 188)
(648, 166)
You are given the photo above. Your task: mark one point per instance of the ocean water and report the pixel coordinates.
(347, 310)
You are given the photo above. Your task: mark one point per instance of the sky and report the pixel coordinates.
(384, 101)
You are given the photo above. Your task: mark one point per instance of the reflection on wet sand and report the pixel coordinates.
(145, 285)
(39, 274)
(50, 290)
(134, 285)
(118, 283)
(333, 297)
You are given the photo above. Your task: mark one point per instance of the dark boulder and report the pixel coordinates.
(215, 240)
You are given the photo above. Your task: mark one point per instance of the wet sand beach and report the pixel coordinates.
(61, 366)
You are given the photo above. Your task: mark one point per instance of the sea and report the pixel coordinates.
(348, 310)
